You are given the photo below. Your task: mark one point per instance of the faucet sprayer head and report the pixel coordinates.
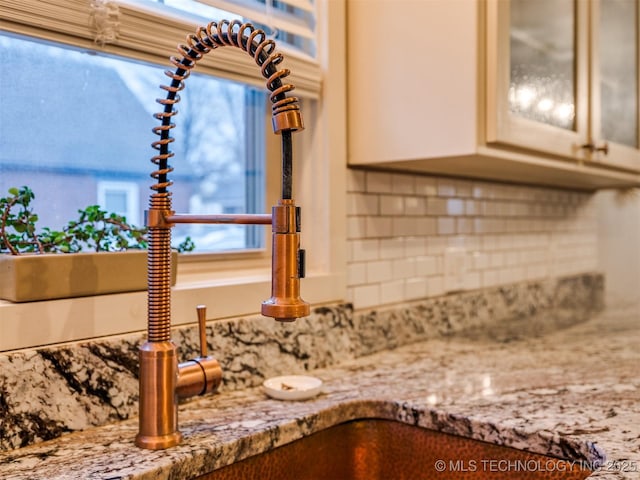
(287, 265)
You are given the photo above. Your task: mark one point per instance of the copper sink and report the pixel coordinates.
(373, 449)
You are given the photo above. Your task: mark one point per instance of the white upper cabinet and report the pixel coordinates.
(531, 91)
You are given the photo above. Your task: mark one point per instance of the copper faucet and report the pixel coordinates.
(162, 380)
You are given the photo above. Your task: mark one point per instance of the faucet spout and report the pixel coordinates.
(162, 380)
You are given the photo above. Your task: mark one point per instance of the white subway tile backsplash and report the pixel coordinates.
(479, 191)
(471, 207)
(480, 260)
(435, 286)
(510, 275)
(496, 260)
(415, 206)
(455, 206)
(403, 268)
(378, 227)
(402, 184)
(436, 206)
(446, 226)
(426, 186)
(399, 225)
(392, 292)
(426, 226)
(480, 225)
(464, 225)
(492, 242)
(464, 188)
(445, 187)
(362, 204)
(366, 296)
(437, 245)
(415, 246)
(378, 182)
(532, 257)
(427, 265)
(379, 271)
(457, 241)
(489, 278)
(365, 250)
(415, 288)
(472, 281)
(391, 205)
(405, 226)
(472, 243)
(537, 271)
(392, 248)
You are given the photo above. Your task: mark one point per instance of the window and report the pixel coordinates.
(121, 198)
(96, 126)
(91, 70)
(71, 136)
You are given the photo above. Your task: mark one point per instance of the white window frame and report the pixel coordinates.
(230, 285)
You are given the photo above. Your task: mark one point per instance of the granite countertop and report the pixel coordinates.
(573, 393)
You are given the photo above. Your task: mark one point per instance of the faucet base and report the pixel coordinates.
(162, 382)
(158, 422)
(158, 442)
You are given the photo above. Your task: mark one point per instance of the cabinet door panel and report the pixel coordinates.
(537, 75)
(618, 50)
(542, 61)
(616, 90)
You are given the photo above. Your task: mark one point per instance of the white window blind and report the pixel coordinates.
(150, 31)
(289, 16)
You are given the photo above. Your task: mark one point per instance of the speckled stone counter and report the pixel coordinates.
(573, 393)
(539, 376)
(51, 391)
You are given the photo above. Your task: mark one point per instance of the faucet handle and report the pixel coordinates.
(202, 374)
(201, 311)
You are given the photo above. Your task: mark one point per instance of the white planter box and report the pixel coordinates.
(25, 278)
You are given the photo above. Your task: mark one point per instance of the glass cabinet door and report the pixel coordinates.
(615, 45)
(537, 75)
(542, 61)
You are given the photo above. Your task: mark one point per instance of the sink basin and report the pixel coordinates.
(373, 449)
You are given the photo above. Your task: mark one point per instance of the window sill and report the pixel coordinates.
(25, 325)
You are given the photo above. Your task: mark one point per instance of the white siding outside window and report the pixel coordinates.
(121, 198)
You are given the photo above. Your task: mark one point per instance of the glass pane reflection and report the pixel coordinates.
(542, 40)
(618, 55)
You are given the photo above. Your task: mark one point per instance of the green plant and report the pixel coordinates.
(94, 230)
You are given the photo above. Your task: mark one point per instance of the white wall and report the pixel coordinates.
(619, 245)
